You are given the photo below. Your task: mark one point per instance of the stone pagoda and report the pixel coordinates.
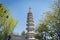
(30, 26)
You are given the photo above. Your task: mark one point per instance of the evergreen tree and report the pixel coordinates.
(23, 33)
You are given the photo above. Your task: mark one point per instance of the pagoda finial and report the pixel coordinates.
(29, 9)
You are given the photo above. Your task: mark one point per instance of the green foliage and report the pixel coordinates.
(39, 37)
(7, 23)
(42, 27)
(23, 33)
(51, 23)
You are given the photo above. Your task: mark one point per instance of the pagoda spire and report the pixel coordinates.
(30, 10)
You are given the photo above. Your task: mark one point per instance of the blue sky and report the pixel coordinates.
(20, 8)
